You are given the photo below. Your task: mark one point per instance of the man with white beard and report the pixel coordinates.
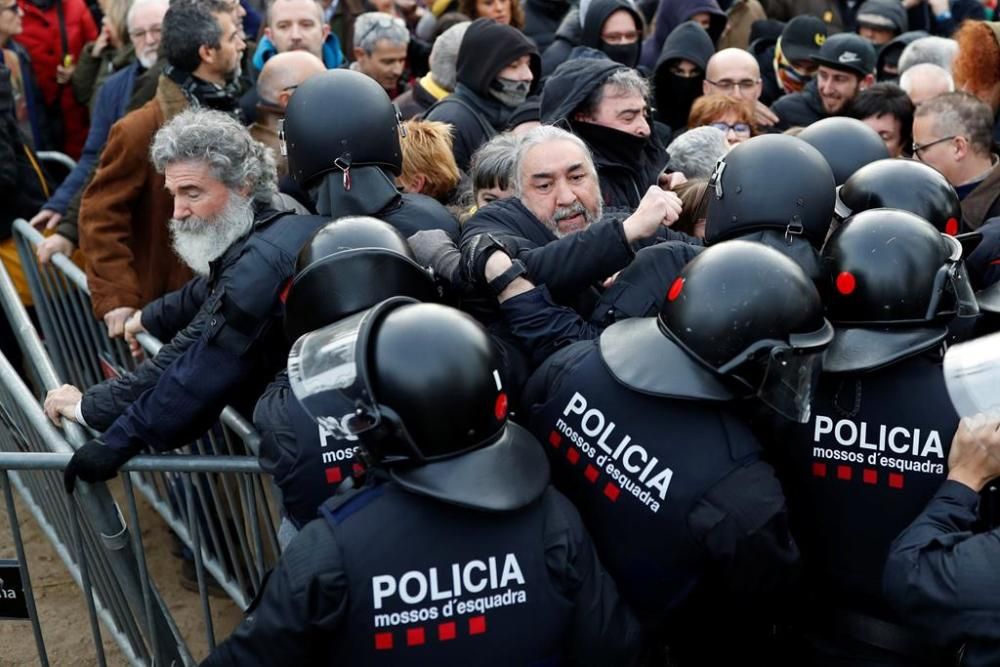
(231, 343)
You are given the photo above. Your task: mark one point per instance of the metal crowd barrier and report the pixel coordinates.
(225, 520)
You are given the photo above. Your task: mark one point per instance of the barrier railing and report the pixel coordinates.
(221, 514)
(240, 532)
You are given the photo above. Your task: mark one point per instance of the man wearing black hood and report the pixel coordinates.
(604, 103)
(498, 67)
(887, 65)
(613, 27)
(672, 13)
(680, 72)
(881, 21)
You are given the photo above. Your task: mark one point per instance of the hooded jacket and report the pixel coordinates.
(688, 41)
(624, 176)
(799, 109)
(673, 13)
(888, 14)
(542, 19)
(487, 48)
(589, 33)
(890, 53)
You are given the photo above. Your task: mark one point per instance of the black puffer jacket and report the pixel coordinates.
(626, 165)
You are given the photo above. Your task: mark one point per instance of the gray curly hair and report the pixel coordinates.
(220, 141)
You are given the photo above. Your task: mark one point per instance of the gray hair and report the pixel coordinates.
(938, 51)
(544, 134)
(142, 3)
(622, 83)
(371, 28)
(961, 114)
(217, 139)
(696, 152)
(492, 165)
(444, 55)
(929, 70)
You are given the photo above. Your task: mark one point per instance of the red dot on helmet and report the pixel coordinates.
(500, 407)
(846, 283)
(951, 227)
(675, 289)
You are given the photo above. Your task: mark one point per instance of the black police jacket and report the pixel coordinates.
(227, 354)
(674, 492)
(941, 574)
(388, 577)
(307, 461)
(873, 453)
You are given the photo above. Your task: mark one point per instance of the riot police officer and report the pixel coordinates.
(458, 551)
(645, 436)
(349, 265)
(875, 449)
(341, 133)
(790, 213)
(847, 144)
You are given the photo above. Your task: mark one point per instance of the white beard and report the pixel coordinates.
(147, 60)
(200, 241)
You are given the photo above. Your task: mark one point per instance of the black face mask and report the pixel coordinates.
(674, 97)
(613, 145)
(626, 54)
(206, 94)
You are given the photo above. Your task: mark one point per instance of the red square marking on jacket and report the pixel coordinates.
(555, 439)
(845, 473)
(477, 625)
(611, 491)
(333, 475)
(819, 469)
(383, 641)
(446, 631)
(895, 480)
(870, 476)
(414, 636)
(572, 455)
(591, 473)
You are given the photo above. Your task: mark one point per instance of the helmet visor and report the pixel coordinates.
(789, 380)
(324, 374)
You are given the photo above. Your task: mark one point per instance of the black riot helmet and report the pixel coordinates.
(892, 282)
(347, 266)
(771, 182)
(740, 320)
(418, 385)
(846, 143)
(903, 184)
(338, 120)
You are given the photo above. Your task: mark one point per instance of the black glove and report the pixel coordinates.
(94, 462)
(477, 250)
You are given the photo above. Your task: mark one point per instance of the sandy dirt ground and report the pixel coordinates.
(65, 627)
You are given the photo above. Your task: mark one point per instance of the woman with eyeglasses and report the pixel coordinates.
(729, 114)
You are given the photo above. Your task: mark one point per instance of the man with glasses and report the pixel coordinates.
(953, 134)
(846, 67)
(734, 72)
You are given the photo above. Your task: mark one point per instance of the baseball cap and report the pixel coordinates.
(802, 38)
(847, 52)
